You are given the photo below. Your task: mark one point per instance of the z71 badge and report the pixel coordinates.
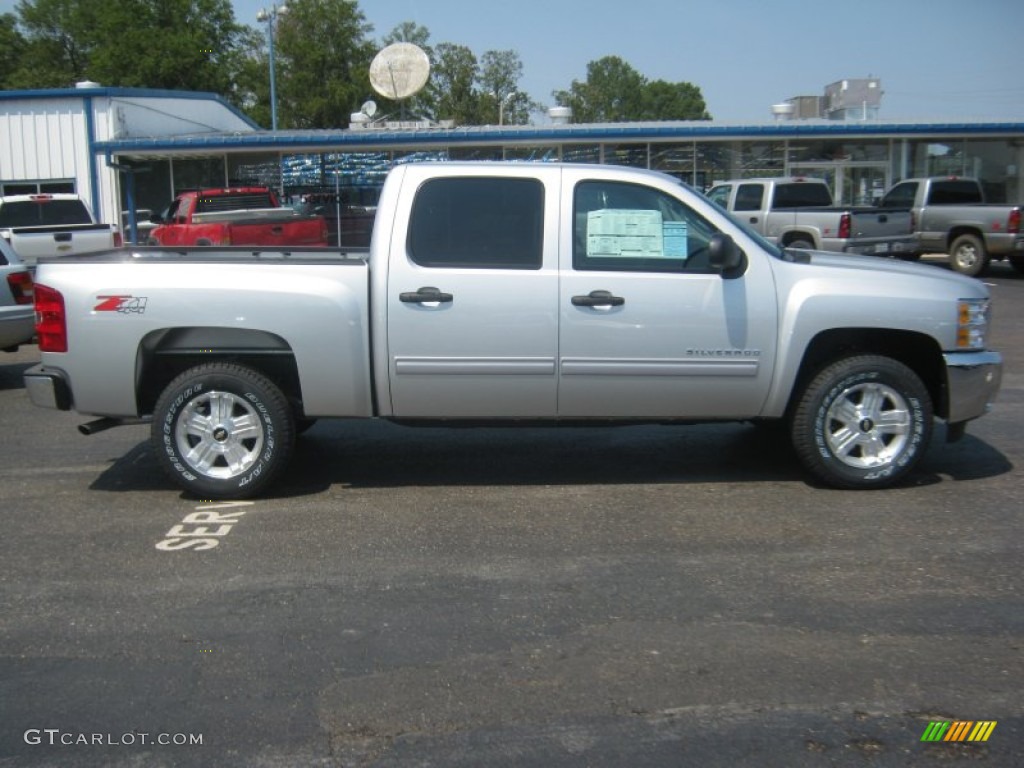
(122, 304)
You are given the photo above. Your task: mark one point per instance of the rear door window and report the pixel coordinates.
(478, 223)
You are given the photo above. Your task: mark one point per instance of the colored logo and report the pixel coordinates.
(958, 730)
(122, 304)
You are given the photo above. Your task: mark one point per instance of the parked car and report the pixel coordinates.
(58, 224)
(797, 212)
(951, 216)
(17, 315)
(517, 293)
(235, 216)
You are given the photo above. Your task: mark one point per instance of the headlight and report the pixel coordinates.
(972, 323)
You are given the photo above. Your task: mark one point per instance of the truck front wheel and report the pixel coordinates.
(863, 422)
(222, 431)
(967, 255)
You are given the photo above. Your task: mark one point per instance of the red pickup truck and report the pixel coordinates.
(235, 216)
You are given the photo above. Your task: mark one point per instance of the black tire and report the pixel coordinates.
(1017, 262)
(967, 255)
(801, 243)
(222, 431)
(152, 241)
(863, 422)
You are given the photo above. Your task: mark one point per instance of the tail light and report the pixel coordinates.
(845, 226)
(118, 239)
(1013, 223)
(21, 287)
(51, 322)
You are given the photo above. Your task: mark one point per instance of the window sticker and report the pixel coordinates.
(618, 233)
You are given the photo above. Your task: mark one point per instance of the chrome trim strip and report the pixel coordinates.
(658, 367)
(475, 366)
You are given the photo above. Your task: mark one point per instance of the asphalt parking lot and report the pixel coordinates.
(644, 596)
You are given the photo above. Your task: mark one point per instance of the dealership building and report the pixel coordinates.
(125, 150)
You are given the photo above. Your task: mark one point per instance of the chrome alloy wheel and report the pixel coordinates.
(868, 425)
(219, 435)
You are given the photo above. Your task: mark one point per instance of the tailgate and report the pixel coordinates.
(33, 243)
(881, 232)
(881, 223)
(292, 231)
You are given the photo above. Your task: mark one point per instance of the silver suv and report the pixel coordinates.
(17, 315)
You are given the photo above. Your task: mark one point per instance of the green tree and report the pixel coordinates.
(178, 44)
(323, 60)
(615, 92)
(12, 48)
(672, 101)
(501, 101)
(451, 90)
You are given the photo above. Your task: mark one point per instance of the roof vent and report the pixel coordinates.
(560, 115)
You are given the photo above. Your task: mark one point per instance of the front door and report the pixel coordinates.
(648, 329)
(471, 298)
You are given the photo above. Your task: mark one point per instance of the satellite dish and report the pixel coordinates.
(399, 71)
(369, 108)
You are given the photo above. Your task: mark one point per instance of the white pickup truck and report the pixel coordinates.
(516, 293)
(37, 226)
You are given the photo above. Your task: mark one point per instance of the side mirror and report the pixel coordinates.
(725, 256)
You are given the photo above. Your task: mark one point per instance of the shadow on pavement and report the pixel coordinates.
(383, 455)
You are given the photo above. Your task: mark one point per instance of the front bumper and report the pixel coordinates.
(48, 387)
(972, 381)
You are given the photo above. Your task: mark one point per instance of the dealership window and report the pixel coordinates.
(50, 186)
(633, 155)
(478, 223)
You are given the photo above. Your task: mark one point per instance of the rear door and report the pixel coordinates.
(472, 293)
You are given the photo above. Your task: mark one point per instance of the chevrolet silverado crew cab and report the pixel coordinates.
(797, 212)
(516, 293)
(952, 217)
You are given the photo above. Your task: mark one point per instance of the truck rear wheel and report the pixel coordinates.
(1017, 262)
(967, 255)
(222, 431)
(863, 422)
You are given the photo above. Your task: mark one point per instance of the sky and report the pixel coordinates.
(936, 59)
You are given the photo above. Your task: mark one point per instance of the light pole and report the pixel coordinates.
(501, 106)
(270, 17)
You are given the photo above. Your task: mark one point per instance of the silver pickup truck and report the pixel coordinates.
(797, 212)
(516, 293)
(952, 217)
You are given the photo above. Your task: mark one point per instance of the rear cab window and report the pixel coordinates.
(43, 212)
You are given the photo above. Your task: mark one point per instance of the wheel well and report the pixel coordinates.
(917, 351)
(958, 231)
(168, 352)
(791, 237)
